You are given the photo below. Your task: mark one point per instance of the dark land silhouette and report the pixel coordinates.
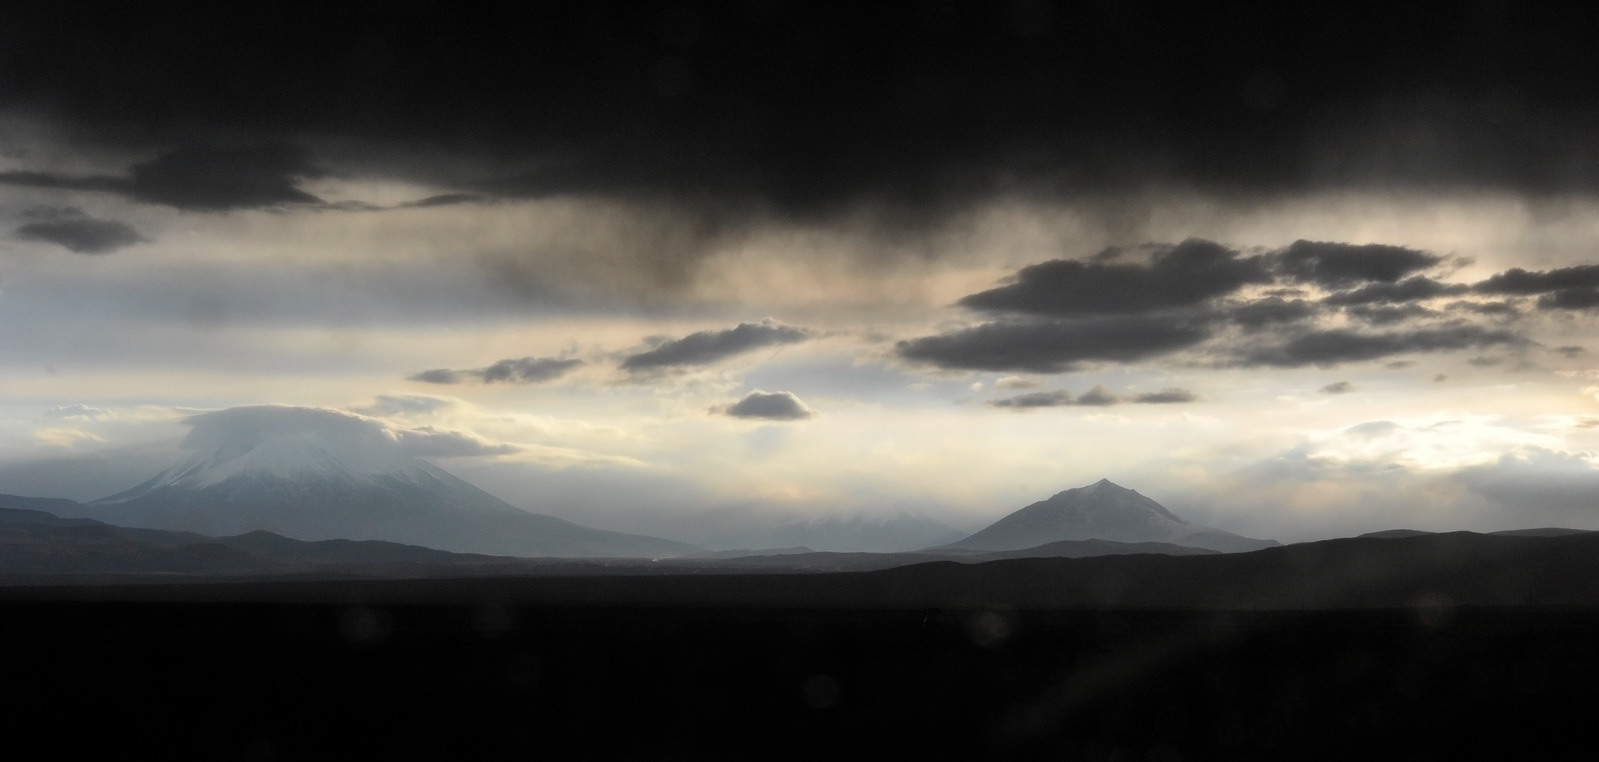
(1398, 644)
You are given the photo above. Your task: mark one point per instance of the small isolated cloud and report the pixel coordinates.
(1166, 397)
(706, 347)
(439, 376)
(1098, 396)
(75, 231)
(1338, 387)
(1341, 265)
(528, 370)
(351, 437)
(1569, 350)
(770, 406)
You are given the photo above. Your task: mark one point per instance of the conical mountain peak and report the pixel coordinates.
(1103, 510)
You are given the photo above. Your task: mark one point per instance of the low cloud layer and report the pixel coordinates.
(527, 370)
(1328, 348)
(770, 406)
(348, 436)
(706, 347)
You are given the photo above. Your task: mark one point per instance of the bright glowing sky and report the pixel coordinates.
(150, 274)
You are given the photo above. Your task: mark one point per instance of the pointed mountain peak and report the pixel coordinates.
(1103, 485)
(1103, 510)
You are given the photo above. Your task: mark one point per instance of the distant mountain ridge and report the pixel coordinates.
(1102, 511)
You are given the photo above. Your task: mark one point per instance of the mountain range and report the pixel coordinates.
(301, 488)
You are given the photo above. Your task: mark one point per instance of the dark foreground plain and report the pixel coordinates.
(551, 669)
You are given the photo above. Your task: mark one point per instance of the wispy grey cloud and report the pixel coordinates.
(527, 370)
(1099, 396)
(706, 347)
(1326, 348)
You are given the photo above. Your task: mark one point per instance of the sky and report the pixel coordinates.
(1295, 273)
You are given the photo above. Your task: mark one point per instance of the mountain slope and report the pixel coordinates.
(1101, 511)
(296, 488)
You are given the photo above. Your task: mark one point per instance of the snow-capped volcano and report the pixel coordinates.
(1102, 511)
(315, 474)
(281, 458)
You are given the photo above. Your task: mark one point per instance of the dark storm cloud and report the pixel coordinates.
(1098, 396)
(1338, 387)
(446, 199)
(1419, 288)
(1340, 265)
(805, 106)
(1519, 282)
(1181, 275)
(527, 370)
(1271, 311)
(1390, 315)
(1569, 350)
(770, 406)
(1570, 299)
(1566, 288)
(202, 177)
(1498, 309)
(1327, 348)
(78, 232)
(706, 347)
(1054, 346)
